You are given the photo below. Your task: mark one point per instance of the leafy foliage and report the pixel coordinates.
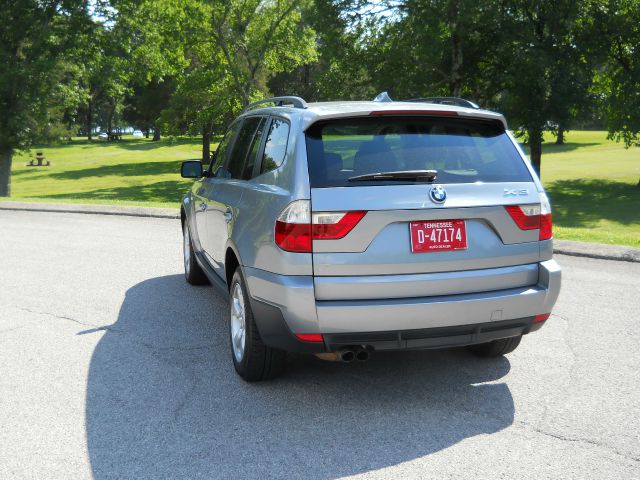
(189, 66)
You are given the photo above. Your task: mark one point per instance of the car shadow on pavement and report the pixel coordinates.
(163, 400)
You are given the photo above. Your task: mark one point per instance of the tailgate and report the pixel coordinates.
(415, 225)
(380, 244)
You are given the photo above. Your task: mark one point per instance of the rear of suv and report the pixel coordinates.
(345, 228)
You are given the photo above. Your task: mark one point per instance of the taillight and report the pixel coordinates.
(309, 337)
(541, 318)
(293, 227)
(527, 217)
(533, 217)
(546, 225)
(296, 228)
(334, 225)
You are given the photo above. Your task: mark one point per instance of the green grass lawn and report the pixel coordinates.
(591, 181)
(135, 171)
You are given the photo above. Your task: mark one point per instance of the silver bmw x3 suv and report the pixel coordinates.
(345, 228)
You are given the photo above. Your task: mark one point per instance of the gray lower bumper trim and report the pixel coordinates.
(434, 337)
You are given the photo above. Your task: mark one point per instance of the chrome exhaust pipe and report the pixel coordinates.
(362, 355)
(346, 355)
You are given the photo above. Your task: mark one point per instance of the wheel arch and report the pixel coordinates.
(231, 263)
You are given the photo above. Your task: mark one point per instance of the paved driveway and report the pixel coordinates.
(112, 366)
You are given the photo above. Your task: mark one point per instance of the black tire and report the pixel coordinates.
(193, 272)
(259, 361)
(497, 348)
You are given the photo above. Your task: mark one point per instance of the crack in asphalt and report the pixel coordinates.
(184, 347)
(111, 329)
(543, 418)
(545, 408)
(588, 441)
(7, 330)
(61, 317)
(177, 410)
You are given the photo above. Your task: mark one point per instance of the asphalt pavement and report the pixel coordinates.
(111, 366)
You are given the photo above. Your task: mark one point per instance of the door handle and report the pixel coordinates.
(228, 215)
(203, 207)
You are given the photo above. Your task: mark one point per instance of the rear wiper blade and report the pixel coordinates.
(421, 175)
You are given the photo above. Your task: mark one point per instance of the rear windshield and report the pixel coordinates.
(462, 151)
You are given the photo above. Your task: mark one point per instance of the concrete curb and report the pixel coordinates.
(596, 250)
(562, 247)
(92, 209)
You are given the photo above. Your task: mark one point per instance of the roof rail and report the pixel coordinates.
(459, 102)
(296, 101)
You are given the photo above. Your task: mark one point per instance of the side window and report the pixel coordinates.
(236, 162)
(276, 145)
(247, 173)
(223, 148)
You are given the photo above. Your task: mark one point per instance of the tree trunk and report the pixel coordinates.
(5, 172)
(156, 133)
(206, 144)
(560, 137)
(112, 111)
(455, 78)
(535, 146)
(146, 133)
(89, 120)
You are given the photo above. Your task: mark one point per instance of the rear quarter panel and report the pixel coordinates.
(263, 198)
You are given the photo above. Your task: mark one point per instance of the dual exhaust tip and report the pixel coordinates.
(346, 355)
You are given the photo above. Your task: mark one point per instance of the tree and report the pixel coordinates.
(440, 46)
(258, 39)
(346, 33)
(523, 57)
(614, 31)
(34, 36)
(144, 105)
(545, 77)
(233, 48)
(134, 45)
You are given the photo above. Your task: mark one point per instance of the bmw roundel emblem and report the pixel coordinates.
(438, 194)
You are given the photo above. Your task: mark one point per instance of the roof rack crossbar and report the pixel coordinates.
(297, 102)
(457, 101)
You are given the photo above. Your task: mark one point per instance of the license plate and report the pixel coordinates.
(438, 236)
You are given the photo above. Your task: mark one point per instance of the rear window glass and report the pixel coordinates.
(462, 151)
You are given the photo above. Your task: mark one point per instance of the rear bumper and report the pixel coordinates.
(434, 337)
(292, 300)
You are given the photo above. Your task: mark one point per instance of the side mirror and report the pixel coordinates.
(191, 169)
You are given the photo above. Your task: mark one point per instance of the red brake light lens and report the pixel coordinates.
(527, 217)
(293, 227)
(293, 237)
(332, 226)
(546, 227)
(541, 318)
(296, 228)
(309, 337)
(532, 217)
